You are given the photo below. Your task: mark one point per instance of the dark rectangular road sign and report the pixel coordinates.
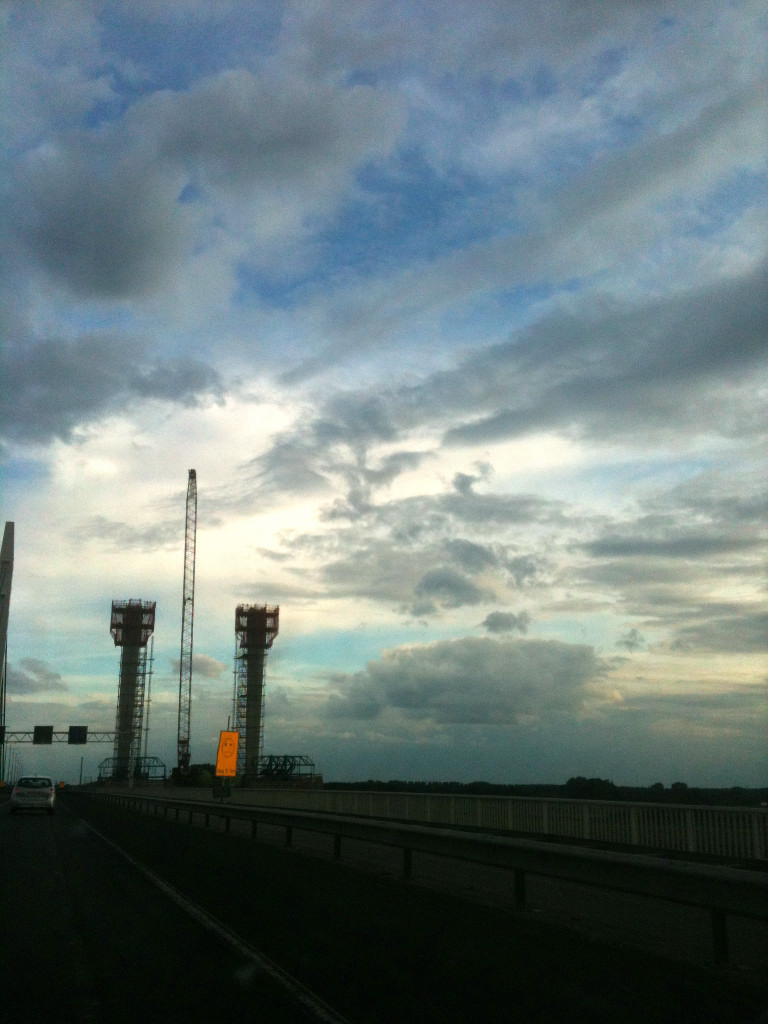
(43, 734)
(78, 734)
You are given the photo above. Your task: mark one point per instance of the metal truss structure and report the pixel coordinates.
(241, 699)
(187, 623)
(285, 766)
(140, 769)
(56, 736)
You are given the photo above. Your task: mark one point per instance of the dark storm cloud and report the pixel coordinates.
(683, 543)
(122, 536)
(203, 667)
(112, 213)
(690, 546)
(744, 631)
(624, 369)
(415, 546)
(33, 676)
(237, 129)
(732, 699)
(470, 681)
(331, 446)
(506, 622)
(524, 568)
(603, 369)
(463, 507)
(103, 230)
(58, 385)
(470, 556)
(448, 589)
(632, 641)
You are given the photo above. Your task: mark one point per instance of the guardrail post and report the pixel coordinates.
(758, 847)
(634, 827)
(690, 832)
(520, 900)
(407, 862)
(719, 936)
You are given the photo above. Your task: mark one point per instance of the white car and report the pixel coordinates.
(34, 792)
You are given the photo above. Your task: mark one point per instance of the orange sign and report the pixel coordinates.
(226, 758)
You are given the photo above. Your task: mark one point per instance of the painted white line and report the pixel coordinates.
(311, 1002)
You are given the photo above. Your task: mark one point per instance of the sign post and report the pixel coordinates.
(226, 760)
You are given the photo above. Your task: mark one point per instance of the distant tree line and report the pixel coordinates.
(576, 788)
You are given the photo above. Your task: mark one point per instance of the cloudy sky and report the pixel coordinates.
(459, 312)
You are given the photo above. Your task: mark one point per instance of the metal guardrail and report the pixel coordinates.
(736, 833)
(722, 890)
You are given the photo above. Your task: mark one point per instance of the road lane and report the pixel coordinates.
(676, 931)
(381, 950)
(86, 937)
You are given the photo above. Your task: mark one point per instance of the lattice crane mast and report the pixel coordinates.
(187, 621)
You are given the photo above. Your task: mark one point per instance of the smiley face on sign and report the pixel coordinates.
(226, 758)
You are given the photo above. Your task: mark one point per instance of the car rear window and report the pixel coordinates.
(35, 782)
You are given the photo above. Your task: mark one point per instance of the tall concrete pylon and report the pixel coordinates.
(6, 578)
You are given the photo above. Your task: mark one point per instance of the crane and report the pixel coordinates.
(187, 620)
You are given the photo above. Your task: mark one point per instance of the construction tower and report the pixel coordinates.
(187, 622)
(255, 630)
(132, 624)
(6, 578)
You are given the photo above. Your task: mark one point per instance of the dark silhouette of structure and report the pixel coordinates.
(6, 578)
(187, 622)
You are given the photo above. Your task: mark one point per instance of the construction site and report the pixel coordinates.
(132, 627)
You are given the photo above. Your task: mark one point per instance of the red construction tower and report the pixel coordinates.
(187, 621)
(255, 630)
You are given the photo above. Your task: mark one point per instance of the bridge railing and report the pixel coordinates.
(738, 833)
(721, 889)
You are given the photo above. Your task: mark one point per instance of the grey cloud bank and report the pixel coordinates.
(459, 313)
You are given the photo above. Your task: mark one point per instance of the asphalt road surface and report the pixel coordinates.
(109, 916)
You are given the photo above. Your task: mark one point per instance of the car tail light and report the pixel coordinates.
(15, 791)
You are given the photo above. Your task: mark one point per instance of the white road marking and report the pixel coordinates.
(311, 1002)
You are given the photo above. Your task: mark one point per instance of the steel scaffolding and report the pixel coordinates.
(255, 630)
(131, 625)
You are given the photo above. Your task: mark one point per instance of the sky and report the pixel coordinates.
(458, 310)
